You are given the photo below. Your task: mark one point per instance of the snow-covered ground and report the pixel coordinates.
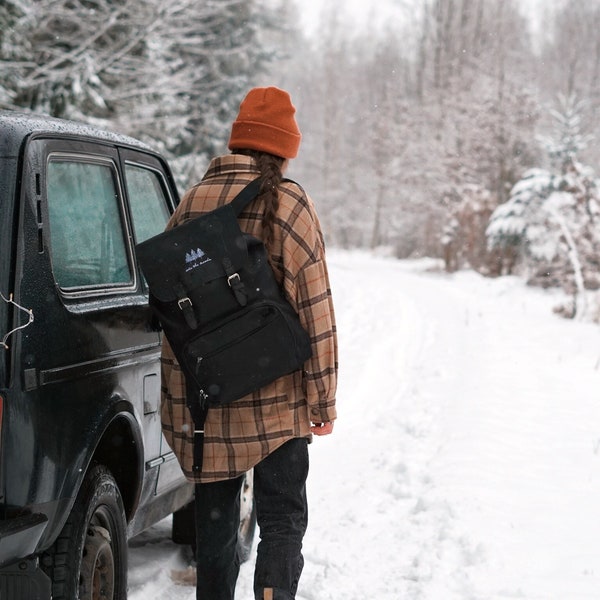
(465, 464)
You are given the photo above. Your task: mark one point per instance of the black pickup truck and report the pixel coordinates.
(83, 463)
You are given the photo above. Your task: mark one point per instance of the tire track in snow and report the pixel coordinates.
(383, 527)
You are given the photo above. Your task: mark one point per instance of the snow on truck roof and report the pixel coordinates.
(15, 126)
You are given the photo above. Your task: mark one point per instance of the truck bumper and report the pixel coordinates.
(20, 575)
(25, 581)
(19, 537)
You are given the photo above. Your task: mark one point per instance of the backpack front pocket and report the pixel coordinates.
(242, 354)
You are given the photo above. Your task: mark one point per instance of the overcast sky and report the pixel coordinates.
(360, 12)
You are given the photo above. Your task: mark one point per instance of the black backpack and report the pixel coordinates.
(217, 300)
(214, 293)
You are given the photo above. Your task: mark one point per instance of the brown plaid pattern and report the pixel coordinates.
(240, 435)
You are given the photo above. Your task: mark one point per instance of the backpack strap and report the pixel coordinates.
(185, 306)
(235, 282)
(246, 196)
(198, 407)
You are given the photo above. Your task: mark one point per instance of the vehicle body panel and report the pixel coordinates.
(81, 383)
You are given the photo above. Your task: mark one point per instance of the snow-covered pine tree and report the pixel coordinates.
(210, 56)
(10, 11)
(76, 58)
(513, 224)
(12, 49)
(552, 216)
(171, 73)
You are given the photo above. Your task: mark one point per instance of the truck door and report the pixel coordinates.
(151, 201)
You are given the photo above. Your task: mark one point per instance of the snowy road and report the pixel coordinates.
(465, 464)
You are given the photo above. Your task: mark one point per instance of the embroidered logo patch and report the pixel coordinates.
(194, 258)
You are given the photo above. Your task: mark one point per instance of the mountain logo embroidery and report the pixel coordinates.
(194, 258)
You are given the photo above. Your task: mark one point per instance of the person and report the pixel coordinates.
(268, 430)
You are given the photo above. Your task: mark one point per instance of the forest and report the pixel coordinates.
(461, 129)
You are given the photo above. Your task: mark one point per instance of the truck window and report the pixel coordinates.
(86, 225)
(147, 201)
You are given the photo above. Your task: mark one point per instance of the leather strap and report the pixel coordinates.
(185, 306)
(235, 282)
(198, 407)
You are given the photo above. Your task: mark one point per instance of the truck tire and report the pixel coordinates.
(88, 561)
(247, 518)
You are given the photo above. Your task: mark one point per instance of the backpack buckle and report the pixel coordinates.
(186, 307)
(184, 303)
(237, 287)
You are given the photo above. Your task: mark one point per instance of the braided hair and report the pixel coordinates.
(270, 167)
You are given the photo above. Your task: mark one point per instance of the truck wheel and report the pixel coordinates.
(89, 558)
(247, 517)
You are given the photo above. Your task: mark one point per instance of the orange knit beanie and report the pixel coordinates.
(266, 122)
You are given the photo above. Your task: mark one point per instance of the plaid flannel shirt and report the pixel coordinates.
(239, 435)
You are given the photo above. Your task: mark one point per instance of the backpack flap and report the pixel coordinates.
(192, 254)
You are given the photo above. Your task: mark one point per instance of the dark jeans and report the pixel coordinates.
(282, 512)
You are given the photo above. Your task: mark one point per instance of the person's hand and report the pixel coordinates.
(322, 428)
